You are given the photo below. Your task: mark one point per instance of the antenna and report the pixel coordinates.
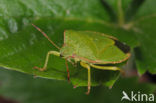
(44, 34)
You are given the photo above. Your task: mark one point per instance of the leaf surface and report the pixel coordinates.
(27, 89)
(22, 47)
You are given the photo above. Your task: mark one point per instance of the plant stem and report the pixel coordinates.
(120, 13)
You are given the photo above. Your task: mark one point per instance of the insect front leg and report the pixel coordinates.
(85, 65)
(73, 63)
(56, 53)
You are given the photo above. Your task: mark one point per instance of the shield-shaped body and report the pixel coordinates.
(92, 47)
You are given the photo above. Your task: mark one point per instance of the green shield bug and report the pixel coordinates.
(91, 49)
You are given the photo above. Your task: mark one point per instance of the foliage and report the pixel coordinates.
(23, 47)
(27, 89)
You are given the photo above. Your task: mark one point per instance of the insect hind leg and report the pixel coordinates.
(56, 53)
(85, 65)
(113, 68)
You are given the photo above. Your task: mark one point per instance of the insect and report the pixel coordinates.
(90, 49)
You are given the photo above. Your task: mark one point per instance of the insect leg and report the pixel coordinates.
(67, 70)
(47, 58)
(89, 75)
(106, 67)
(69, 60)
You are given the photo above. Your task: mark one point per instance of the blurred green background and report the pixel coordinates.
(27, 89)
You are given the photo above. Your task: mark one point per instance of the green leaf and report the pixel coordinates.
(88, 9)
(26, 89)
(144, 25)
(31, 47)
(119, 8)
(23, 47)
(148, 8)
(145, 52)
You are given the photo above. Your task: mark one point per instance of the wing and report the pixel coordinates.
(91, 46)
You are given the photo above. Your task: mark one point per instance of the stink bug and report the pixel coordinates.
(90, 49)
